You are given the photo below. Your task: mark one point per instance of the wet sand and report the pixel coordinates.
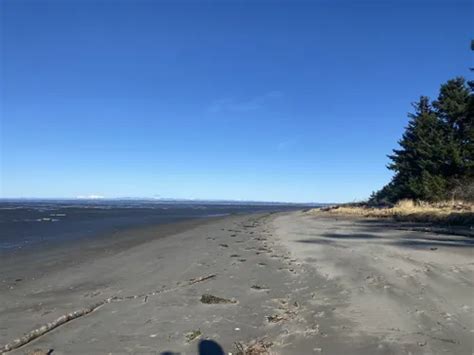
(297, 283)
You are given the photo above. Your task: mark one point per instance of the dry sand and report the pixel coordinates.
(296, 283)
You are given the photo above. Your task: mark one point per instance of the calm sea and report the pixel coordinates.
(26, 224)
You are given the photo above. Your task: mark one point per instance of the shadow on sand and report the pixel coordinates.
(418, 240)
(206, 347)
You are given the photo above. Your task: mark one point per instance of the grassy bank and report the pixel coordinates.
(455, 213)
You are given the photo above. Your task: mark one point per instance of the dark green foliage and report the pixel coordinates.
(454, 109)
(435, 160)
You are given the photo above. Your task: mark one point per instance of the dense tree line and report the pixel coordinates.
(435, 160)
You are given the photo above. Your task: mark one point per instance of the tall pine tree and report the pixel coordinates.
(436, 155)
(455, 108)
(419, 161)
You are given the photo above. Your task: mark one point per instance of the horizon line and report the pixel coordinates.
(158, 199)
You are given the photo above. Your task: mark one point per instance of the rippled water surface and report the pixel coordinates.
(32, 223)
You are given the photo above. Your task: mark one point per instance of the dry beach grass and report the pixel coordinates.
(459, 213)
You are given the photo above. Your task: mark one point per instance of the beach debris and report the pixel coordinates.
(211, 299)
(235, 256)
(65, 318)
(242, 260)
(276, 318)
(289, 310)
(259, 287)
(201, 279)
(257, 347)
(282, 301)
(36, 333)
(224, 245)
(193, 335)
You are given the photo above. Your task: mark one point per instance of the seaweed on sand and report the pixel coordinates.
(193, 335)
(258, 347)
(211, 299)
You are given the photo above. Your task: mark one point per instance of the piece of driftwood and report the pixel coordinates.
(25, 339)
(201, 279)
(65, 318)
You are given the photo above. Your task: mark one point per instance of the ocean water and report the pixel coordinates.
(27, 224)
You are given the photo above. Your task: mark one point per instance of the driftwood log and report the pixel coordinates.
(65, 318)
(201, 279)
(36, 333)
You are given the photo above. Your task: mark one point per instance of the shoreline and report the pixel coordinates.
(284, 283)
(40, 259)
(60, 286)
(48, 224)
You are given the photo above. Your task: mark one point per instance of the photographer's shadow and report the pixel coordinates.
(206, 347)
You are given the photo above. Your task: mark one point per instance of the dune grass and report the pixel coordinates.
(446, 212)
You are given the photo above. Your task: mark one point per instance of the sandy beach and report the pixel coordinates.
(291, 283)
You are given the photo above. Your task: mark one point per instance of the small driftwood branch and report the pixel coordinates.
(201, 279)
(38, 332)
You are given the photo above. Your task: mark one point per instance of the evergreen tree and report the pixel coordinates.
(455, 108)
(436, 155)
(419, 162)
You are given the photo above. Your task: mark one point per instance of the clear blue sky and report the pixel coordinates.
(260, 100)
